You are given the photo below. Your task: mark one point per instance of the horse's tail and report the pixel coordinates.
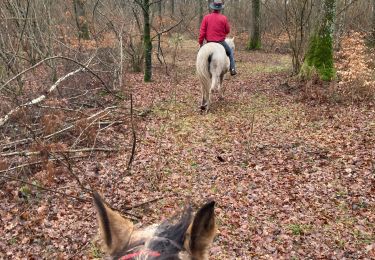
(209, 59)
(204, 60)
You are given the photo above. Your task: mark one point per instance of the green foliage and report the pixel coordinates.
(2, 71)
(84, 31)
(25, 191)
(176, 39)
(254, 44)
(363, 237)
(13, 241)
(96, 252)
(298, 229)
(319, 56)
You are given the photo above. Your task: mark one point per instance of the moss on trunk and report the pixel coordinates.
(147, 41)
(81, 19)
(319, 56)
(255, 39)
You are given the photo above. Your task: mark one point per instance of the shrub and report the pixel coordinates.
(356, 77)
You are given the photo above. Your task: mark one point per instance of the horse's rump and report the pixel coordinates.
(212, 64)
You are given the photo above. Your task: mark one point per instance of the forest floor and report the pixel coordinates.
(292, 174)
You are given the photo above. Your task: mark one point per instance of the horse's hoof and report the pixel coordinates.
(203, 107)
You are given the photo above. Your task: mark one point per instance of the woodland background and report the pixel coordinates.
(102, 95)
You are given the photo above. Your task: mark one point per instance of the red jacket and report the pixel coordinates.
(214, 28)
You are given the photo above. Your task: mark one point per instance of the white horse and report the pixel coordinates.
(212, 64)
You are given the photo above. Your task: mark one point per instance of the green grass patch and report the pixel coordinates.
(13, 241)
(96, 252)
(299, 229)
(275, 65)
(363, 238)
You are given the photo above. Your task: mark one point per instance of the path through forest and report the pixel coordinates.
(293, 178)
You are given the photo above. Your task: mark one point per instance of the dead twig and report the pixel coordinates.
(37, 162)
(27, 140)
(28, 153)
(43, 188)
(143, 203)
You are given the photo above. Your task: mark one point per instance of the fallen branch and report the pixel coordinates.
(37, 162)
(62, 108)
(59, 57)
(73, 125)
(43, 188)
(110, 123)
(133, 134)
(17, 142)
(143, 203)
(27, 140)
(93, 122)
(40, 98)
(28, 153)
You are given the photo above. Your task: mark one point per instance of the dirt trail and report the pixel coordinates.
(291, 180)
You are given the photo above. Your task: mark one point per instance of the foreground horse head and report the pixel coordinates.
(187, 238)
(212, 64)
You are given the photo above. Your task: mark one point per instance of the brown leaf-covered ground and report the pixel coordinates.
(293, 177)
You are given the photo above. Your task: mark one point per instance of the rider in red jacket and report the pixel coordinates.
(214, 28)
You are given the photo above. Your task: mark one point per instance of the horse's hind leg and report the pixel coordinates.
(209, 99)
(215, 84)
(205, 96)
(221, 87)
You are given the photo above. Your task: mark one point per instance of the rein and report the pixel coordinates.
(142, 252)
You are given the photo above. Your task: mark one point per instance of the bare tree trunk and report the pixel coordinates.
(172, 7)
(81, 19)
(255, 41)
(373, 21)
(340, 26)
(201, 3)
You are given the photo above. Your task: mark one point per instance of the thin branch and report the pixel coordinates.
(166, 30)
(143, 203)
(35, 163)
(27, 140)
(346, 7)
(44, 188)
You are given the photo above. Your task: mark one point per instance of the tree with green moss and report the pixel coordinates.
(373, 22)
(200, 11)
(255, 38)
(319, 56)
(81, 19)
(147, 42)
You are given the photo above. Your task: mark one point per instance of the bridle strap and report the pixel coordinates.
(143, 252)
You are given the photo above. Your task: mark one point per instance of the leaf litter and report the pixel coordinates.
(292, 179)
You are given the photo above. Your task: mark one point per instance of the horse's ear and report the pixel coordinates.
(114, 229)
(201, 232)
